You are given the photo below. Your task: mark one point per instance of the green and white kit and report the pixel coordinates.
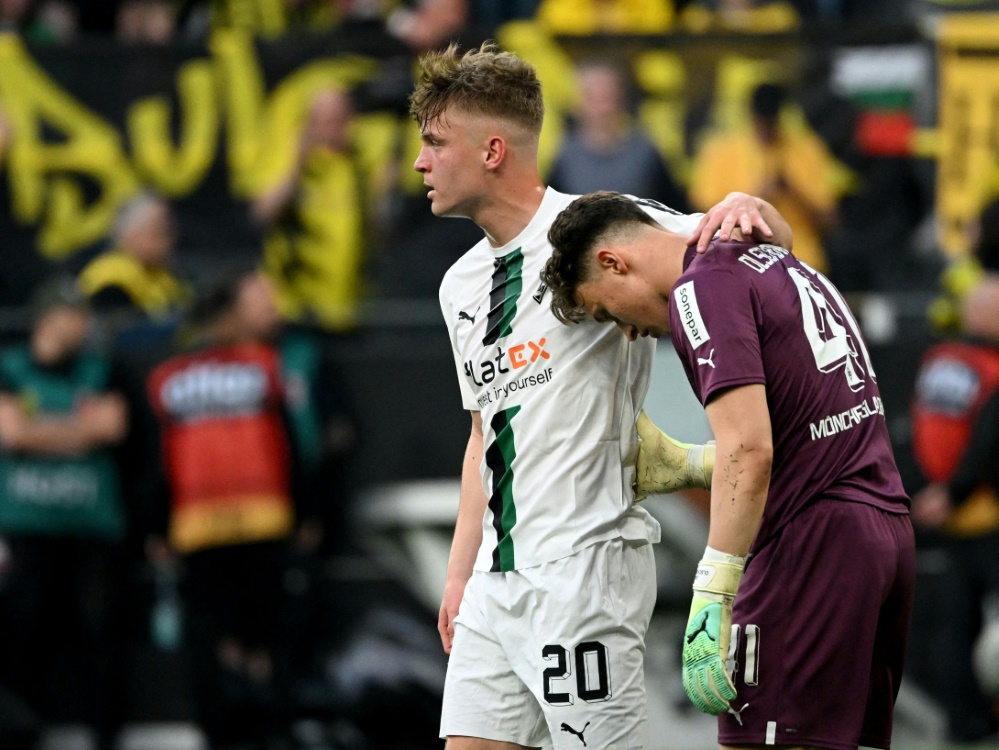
(558, 402)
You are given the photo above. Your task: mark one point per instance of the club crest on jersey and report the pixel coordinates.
(540, 294)
(690, 315)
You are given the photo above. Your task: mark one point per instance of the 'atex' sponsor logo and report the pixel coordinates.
(514, 357)
(504, 361)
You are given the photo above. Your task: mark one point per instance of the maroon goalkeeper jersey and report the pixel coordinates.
(755, 314)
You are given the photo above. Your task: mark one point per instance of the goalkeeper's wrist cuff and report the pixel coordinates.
(719, 573)
(700, 465)
(713, 555)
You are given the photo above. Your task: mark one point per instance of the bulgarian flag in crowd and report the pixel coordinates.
(884, 83)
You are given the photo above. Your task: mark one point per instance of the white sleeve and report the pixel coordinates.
(450, 320)
(667, 217)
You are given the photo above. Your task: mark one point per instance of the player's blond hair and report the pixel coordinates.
(483, 81)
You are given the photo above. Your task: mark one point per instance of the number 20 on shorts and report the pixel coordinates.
(591, 668)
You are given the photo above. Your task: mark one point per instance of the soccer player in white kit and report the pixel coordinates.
(551, 580)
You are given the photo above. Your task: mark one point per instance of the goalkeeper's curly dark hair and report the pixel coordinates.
(583, 225)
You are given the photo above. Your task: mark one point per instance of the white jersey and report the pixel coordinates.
(558, 402)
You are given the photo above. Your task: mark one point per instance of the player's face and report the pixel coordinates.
(451, 163)
(626, 300)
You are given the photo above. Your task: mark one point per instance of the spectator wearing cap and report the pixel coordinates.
(61, 516)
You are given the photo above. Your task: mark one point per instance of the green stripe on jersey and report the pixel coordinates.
(508, 282)
(499, 458)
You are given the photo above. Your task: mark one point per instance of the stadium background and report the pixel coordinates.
(210, 122)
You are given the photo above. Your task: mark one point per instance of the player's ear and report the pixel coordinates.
(494, 152)
(610, 259)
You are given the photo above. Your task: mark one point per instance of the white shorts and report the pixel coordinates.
(553, 655)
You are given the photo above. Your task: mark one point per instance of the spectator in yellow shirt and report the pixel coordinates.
(584, 17)
(5, 135)
(739, 16)
(789, 167)
(315, 221)
(134, 277)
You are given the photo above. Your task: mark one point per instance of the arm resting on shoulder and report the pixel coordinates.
(739, 216)
(782, 234)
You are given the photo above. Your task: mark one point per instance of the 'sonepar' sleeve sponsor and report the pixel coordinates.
(689, 318)
(714, 330)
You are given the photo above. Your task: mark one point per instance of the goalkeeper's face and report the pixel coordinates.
(616, 295)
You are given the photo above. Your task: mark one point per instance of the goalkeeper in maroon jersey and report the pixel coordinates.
(806, 586)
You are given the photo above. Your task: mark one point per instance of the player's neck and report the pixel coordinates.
(508, 211)
(672, 249)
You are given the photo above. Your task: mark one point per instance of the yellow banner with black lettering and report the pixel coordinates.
(209, 126)
(968, 151)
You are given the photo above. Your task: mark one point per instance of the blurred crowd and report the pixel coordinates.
(422, 24)
(170, 442)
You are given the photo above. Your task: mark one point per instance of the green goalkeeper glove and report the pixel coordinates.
(666, 465)
(709, 631)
